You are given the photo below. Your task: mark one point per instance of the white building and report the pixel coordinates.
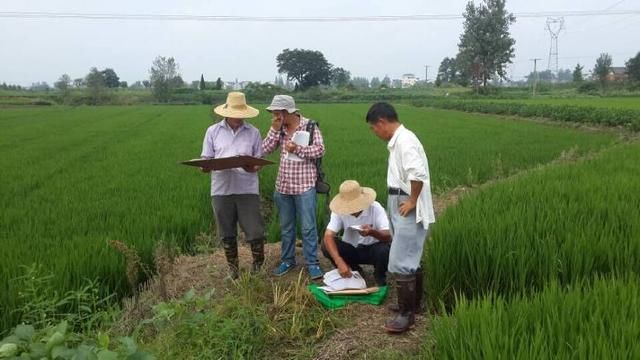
(409, 80)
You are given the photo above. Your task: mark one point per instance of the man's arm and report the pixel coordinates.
(313, 151)
(208, 151)
(407, 206)
(381, 235)
(332, 249)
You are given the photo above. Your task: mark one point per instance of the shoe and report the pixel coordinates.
(282, 269)
(315, 272)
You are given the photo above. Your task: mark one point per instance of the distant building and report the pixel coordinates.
(617, 73)
(409, 80)
(236, 85)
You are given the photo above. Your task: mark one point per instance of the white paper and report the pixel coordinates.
(356, 227)
(299, 138)
(335, 282)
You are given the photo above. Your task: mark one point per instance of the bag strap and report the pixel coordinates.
(311, 127)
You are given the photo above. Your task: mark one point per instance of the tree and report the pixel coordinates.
(40, 86)
(308, 67)
(63, 83)
(340, 77)
(96, 85)
(564, 75)
(577, 73)
(544, 76)
(447, 71)
(78, 83)
(633, 67)
(486, 46)
(219, 84)
(111, 80)
(386, 81)
(360, 82)
(146, 84)
(602, 68)
(375, 83)
(124, 84)
(164, 78)
(203, 85)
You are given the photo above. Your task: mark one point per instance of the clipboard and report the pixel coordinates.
(227, 163)
(366, 291)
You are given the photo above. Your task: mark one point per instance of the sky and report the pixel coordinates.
(33, 50)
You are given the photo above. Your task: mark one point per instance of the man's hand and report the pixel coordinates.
(344, 269)
(366, 230)
(291, 146)
(407, 206)
(276, 121)
(251, 168)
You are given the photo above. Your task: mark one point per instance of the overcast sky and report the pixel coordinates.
(42, 49)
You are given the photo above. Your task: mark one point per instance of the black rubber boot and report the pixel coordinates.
(257, 252)
(405, 318)
(231, 253)
(419, 309)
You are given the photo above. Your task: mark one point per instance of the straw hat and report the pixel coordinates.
(352, 198)
(236, 107)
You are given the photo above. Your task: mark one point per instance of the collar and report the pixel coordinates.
(224, 124)
(394, 138)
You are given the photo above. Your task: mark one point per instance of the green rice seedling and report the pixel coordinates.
(73, 178)
(563, 223)
(599, 320)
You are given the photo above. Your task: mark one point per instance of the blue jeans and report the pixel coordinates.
(408, 238)
(300, 207)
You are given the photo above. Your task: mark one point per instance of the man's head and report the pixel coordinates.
(284, 107)
(383, 120)
(352, 199)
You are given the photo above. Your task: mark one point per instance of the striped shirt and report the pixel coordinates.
(295, 177)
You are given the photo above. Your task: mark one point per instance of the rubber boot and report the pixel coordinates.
(419, 309)
(231, 253)
(405, 318)
(257, 252)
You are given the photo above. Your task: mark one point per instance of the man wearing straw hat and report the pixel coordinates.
(366, 238)
(234, 192)
(295, 193)
(410, 209)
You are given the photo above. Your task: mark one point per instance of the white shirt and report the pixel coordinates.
(408, 162)
(374, 215)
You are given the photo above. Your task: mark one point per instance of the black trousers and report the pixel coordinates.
(375, 254)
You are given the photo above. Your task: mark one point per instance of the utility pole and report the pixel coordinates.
(426, 73)
(535, 74)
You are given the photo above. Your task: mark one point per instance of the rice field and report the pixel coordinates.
(564, 223)
(544, 265)
(589, 321)
(73, 178)
(604, 102)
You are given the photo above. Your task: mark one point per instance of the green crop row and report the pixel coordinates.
(73, 178)
(565, 223)
(594, 321)
(628, 118)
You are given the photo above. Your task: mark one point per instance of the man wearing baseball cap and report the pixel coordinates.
(295, 193)
(366, 238)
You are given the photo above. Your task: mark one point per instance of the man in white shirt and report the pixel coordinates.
(366, 238)
(410, 209)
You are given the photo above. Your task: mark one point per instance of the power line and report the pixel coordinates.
(221, 18)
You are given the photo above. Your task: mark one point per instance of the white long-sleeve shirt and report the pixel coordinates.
(408, 162)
